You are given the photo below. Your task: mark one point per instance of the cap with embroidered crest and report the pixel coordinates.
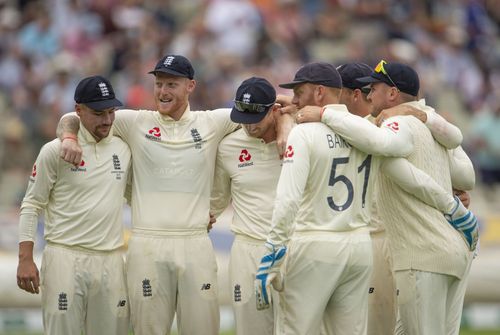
(96, 93)
(254, 98)
(176, 65)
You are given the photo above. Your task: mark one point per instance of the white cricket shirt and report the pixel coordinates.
(173, 164)
(246, 172)
(83, 205)
(325, 184)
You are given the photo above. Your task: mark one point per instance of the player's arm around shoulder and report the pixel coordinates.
(126, 120)
(462, 172)
(447, 134)
(222, 121)
(393, 138)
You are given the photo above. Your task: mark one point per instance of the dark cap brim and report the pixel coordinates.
(172, 72)
(375, 78)
(247, 117)
(292, 84)
(103, 104)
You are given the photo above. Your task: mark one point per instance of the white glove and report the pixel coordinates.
(465, 222)
(268, 273)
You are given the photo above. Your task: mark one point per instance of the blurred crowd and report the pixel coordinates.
(47, 46)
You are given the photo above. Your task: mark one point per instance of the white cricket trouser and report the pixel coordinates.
(382, 294)
(246, 254)
(171, 274)
(326, 281)
(83, 290)
(430, 303)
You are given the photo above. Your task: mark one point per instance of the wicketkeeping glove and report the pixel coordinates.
(465, 222)
(269, 273)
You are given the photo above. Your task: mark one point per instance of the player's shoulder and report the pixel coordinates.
(310, 129)
(51, 150)
(117, 142)
(234, 141)
(133, 114)
(212, 113)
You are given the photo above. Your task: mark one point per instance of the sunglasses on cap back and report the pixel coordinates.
(250, 107)
(380, 69)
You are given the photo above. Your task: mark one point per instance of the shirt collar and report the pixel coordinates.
(84, 136)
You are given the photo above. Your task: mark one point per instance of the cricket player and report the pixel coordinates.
(171, 265)
(321, 197)
(82, 277)
(431, 260)
(352, 96)
(247, 171)
(382, 307)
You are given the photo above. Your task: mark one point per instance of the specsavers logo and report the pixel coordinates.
(154, 134)
(245, 158)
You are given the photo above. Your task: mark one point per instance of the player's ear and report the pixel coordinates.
(78, 109)
(191, 85)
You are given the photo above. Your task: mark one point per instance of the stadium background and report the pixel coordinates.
(46, 47)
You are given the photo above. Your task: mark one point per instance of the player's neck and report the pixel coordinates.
(269, 135)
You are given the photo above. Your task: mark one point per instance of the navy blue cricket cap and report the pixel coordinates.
(398, 75)
(254, 98)
(319, 73)
(96, 93)
(176, 65)
(350, 72)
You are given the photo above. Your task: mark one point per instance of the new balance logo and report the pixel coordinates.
(63, 301)
(147, 290)
(205, 287)
(371, 290)
(121, 303)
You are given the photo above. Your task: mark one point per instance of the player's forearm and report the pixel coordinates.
(69, 124)
(462, 172)
(27, 225)
(26, 251)
(365, 136)
(444, 132)
(418, 183)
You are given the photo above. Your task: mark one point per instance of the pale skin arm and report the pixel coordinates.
(313, 114)
(28, 277)
(400, 110)
(463, 196)
(284, 124)
(67, 131)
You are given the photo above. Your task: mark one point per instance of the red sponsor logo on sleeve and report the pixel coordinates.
(394, 126)
(289, 152)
